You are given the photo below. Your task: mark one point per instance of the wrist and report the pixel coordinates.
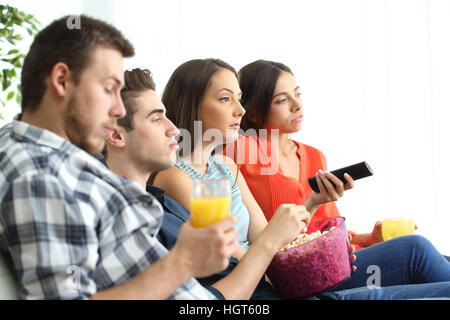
(266, 244)
(363, 240)
(180, 263)
(311, 205)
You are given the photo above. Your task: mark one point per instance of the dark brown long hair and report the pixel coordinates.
(185, 90)
(184, 93)
(257, 81)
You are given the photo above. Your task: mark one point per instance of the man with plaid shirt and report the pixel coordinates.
(69, 227)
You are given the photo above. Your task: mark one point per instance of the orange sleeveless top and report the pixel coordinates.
(266, 181)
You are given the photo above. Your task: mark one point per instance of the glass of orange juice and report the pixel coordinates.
(210, 202)
(396, 227)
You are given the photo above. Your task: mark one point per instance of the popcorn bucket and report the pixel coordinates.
(314, 266)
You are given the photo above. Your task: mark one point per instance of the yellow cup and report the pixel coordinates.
(208, 211)
(210, 202)
(396, 227)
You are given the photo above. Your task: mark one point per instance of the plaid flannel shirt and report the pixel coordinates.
(69, 226)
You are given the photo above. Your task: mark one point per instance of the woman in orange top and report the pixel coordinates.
(272, 101)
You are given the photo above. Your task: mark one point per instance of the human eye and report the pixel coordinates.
(298, 94)
(281, 101)
(108, 91)
(224, 99)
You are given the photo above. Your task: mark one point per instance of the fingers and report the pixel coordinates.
(350, 182)
(331, 186)
(338, 184)
(226, 223)
(230, 239)
(326, 187)
(286, 224)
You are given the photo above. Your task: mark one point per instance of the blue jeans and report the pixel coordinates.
(408, 267)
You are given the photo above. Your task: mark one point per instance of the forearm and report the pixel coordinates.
(239, 253)
(363, 239)
(311, 206)
(242, 281)
(157, 282)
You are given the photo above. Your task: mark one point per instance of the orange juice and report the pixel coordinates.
(396, 227)
(209, 210)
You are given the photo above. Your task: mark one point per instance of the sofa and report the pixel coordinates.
(8, 287)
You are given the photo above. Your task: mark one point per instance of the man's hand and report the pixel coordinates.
(206, 250)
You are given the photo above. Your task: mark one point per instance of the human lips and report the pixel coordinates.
(235, 126)
(298, 119)
(108, 130)
(173, 145)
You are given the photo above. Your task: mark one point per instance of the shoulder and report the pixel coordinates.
(169, 177)
(229, 162)
(176, 183)
(310, 151)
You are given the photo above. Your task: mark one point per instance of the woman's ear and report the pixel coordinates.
(59, 79)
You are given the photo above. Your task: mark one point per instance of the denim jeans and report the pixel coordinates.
(408, 267)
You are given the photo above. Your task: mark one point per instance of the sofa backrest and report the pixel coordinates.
(8, 286)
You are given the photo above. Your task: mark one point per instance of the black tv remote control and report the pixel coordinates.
(356, 171)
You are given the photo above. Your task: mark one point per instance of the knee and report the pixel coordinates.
(414, 242)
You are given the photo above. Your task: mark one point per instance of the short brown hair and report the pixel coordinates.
(73, 46)
(136, 81)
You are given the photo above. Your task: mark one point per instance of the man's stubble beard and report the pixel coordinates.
(76, 129)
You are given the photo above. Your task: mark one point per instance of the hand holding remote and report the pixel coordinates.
(356, 171)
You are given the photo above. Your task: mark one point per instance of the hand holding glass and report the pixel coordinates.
(210, 202)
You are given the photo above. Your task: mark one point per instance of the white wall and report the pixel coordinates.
(375, 77)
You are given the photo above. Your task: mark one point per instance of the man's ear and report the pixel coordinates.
(116, 138)
(59, 79)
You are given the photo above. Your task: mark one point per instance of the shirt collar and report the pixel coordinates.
(155, 190)
(24, 132)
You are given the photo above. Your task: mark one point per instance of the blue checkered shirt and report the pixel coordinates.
(68, 225)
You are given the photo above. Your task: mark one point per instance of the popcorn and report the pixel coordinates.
(304, 237)
(299, 271)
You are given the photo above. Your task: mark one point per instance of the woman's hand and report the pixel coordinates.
(377, 236)
(286, 224)
(328, 192)
(376, 233)
(352, 256)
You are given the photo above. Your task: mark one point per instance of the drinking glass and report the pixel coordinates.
(396, 227)
(210, 202)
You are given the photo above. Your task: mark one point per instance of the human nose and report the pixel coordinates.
(239, 111)
(296, 104)
(118, 108)
(172, 130)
